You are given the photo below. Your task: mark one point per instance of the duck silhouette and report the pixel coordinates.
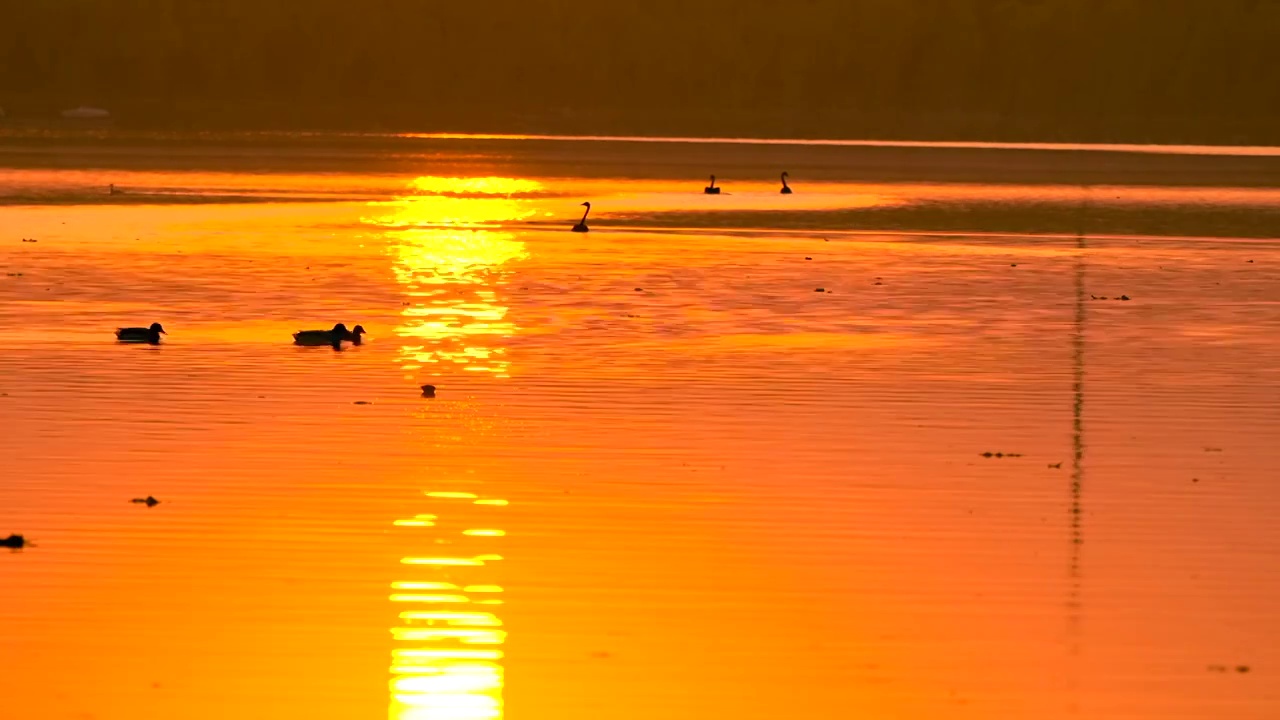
(149, 501)
(786, 189)
(17, 542)
(711, 189)
(149, 335)
(316, 338)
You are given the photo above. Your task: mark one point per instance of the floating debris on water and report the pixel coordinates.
(990, 454)
(362, 402)
(149, 501)
(1055, 466)
(806, 257)
(819, 289)
(35, 240)
(1123, 297)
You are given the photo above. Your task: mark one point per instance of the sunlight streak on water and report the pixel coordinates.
(436, 670)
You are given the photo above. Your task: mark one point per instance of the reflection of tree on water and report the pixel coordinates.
(449, 251)
(446, 662)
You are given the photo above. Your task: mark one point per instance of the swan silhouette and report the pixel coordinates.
(711, 189)
(582, 224)
(786, 189)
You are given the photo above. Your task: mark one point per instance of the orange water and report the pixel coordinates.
(662, 476)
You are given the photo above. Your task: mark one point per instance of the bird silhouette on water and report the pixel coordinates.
(333, 337)
(711, 189)
(786, 189)
(149, 335)
(582, 224)
(16, 542)
(149, 501)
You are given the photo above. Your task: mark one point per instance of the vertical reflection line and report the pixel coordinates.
(1077, 471)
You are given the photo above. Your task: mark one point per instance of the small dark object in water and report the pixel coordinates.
(987, 454)
(16, 542)
(1013, 264)
(150, 335)
(1217, 668)
(34, 240)
(786, 189)
(878, 283)
(354, 335)
(428, 391)
(1123, 297)
(819, 289)
(711, 189)
(1055, 466)
(149, 501)
(639, 289)
(1242, 668)
(806, 257)
(363, 402)
(1213, 449)
(1195, 479)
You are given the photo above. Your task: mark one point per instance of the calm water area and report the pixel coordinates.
(950, 432)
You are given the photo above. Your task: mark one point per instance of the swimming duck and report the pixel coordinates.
(786, 189)
(141, 334)
(149, 501)
(354, 335)
(429, 391)
(332, 337)
(13, 541)
(712, 189)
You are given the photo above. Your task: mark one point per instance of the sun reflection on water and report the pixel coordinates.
(449, 251)
(446, 662)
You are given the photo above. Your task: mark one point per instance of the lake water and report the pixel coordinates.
(888, 447)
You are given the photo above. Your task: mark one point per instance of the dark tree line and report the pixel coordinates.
(1170, 70)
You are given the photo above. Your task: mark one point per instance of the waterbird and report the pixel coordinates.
(315, 338)
(582, 224)
(428, 391)
(786, 189)
(712, 189)
(354, 335)
(149, 501)
(141, 334)
(16, 542)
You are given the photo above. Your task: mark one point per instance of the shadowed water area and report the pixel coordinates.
(951, 432)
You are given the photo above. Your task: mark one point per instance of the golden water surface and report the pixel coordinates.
(663, 474)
